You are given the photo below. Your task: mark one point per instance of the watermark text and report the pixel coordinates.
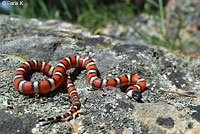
(12, 3)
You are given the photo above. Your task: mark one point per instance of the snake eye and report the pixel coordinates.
(136, 95)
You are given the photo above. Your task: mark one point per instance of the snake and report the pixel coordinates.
(135, 84)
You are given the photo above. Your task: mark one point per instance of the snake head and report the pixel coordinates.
(136, 95)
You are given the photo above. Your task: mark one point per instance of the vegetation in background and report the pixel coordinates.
(169, 40)
(89, 13)
(95, 14)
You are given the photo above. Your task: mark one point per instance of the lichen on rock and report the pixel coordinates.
(102, 111)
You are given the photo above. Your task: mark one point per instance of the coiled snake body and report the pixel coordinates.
(58, 75)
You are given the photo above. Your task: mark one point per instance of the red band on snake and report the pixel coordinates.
(58, 75)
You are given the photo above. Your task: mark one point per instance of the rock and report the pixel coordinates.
(44, 46)
(102, 111)
(181, 14)
(11, 124)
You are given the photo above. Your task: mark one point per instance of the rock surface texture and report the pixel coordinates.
(110, 111)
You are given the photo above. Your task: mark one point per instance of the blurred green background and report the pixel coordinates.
(89, 13)
(96, 14)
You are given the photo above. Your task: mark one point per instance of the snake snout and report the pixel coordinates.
(136, 95)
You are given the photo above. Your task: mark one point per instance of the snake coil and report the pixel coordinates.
(58, 75)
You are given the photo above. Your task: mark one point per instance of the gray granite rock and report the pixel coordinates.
(102, 111)
(33, 47)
